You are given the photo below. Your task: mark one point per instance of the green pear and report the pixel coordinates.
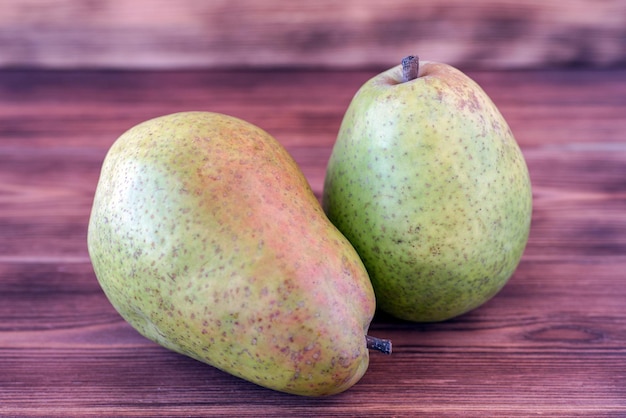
(428, 183)
(206, 237)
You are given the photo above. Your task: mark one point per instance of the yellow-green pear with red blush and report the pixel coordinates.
(206, 237)
(428, 183)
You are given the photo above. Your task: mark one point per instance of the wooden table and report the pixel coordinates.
(552, 343)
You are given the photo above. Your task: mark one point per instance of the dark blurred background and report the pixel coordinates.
(348, 34)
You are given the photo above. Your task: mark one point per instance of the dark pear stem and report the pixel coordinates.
(378, 344)
(410, 68)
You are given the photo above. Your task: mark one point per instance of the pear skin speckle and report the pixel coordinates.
(428, 183)
(207, 238)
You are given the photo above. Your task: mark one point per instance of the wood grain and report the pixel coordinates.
(552, 343)
(281, 33)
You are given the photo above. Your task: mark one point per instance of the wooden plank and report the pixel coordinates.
(60, 125)
(529, 314)
(91, 109)
(282, 33)
(585, 174)
(153, 382)
(47, 215)
(543, 346)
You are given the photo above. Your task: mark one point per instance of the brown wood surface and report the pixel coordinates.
(552, 343)
(323, 33)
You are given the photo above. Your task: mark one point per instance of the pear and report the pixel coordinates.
(428, 183)
(206, 237)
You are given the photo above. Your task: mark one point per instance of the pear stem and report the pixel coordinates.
(410, 68)
(378, 344)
